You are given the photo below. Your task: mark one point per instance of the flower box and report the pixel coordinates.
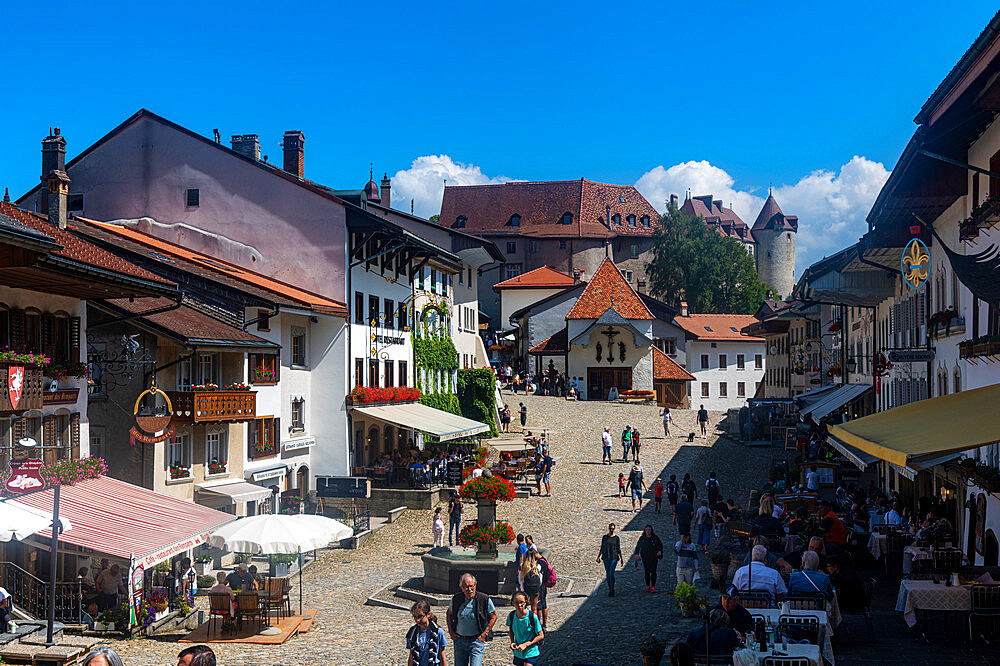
(179, 472)
(363, 395)
(494, 488)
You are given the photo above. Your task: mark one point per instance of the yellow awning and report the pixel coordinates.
(930, 427)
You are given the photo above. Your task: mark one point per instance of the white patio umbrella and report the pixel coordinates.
(279, 534)
(19, 521)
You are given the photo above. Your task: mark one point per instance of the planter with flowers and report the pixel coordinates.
(216, 467)
(487, 491)
(263, 449)
(69, 472)
(364, 395)
(180, 472)
(688, 599)
(939, 319)
(65, 373)
(479, 456)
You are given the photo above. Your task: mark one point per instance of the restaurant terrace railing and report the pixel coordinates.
(32, 595)
(211, 406)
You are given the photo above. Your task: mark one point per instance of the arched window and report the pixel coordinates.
(957, 382)
(567, 218)
(644, 220)
(631, 220)
(616, 218)
(514, 221)
(460, 222)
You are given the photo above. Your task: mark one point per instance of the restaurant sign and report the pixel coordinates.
(911, 355)
(167, 552)
(25, 476)
(151, 428)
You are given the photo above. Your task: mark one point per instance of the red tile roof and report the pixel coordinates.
(536, 279)
(542, 205)
(718, 326)
(76, 248)
(608, 289)
(723, 220)
(186, 323)
(665, 367)
(557, 343)
(771, 217)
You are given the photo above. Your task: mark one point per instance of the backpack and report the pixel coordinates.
(671, 488)
(548, 573)
(713, 487)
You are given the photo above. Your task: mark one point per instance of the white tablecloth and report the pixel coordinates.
(913, 554)
(926, 595)
(748, 657)
(825, 630)
(877, 545)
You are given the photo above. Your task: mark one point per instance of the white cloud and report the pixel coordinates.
(831, 206)
(423, 182)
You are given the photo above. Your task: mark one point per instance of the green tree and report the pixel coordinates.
(692, 262)
(434, 218)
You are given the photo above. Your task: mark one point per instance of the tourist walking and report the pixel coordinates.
(672, 491)
(437, 528)
(519, 552)
(548, 580)
(455, 510)
(713, 490)
(636, 484)
(471, 616)
(548, 462)
(425, 641)
(621, 484)
(606, 446)
(683, 513)
(626, 442)
(636, 443)
(703, 518)
(666, 421)
(703, 420)
(689, 488)
(523, 411)
(524, 630)
(687, 558)
(505, 418)
(539, 472)
(530, 578)
(649, 550)
(658, 494)
(611, 554)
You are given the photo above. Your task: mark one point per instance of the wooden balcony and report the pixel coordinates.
(31, 389)
(213, 406)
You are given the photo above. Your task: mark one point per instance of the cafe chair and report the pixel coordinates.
(276, 599)
(755, 599)
(218, 605)
(740, 532)
(947, 560)
(800, 627)
(882, 529)
(247, 607)
(985, 604)
(786, 661)
(815, 601)
(895, 543)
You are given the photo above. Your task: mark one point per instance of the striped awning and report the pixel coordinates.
(119, 519)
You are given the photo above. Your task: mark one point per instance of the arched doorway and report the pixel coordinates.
(374, 438)
(388, 437)
(991, 549)
(302, 481)
(359, 448)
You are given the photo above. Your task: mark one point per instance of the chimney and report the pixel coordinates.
(673, 201)
(292, 146)
(247, 145)
(55, 178)
(684, 308)
(385, 189)
(578, 276)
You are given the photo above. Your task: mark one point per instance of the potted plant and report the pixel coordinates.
(203, 565)
(282, 564)
(688, 599)
(720, 567)
(652, 650)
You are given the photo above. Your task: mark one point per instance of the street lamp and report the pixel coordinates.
(852, 364)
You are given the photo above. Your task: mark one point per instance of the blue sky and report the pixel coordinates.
(739, 94)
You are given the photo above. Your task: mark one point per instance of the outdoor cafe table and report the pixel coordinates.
(825, 630)
(877, 545)
(748, 657)
(913, 554)
(927, 595)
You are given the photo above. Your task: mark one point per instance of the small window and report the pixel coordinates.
(401, 316)
(373, 308)
(704, 361)
(460, 222)
(389, 379)
(389, 312)
(216, 451)
(734, 329)
(616, 218)
(631, 220)
(644, 220)
(298, 414)
(567, 218)
(403, 379)
(263, 321)
(298, 346)
(74, 203)
(634, 251)
(532, 246)
(704, 389)
(178, 456)
(193, 198)
(723, 390)
(758, 361)
(511, 271)
(741, 361)
(359, 308)
(628, 276)
(709, 329)
(373, 373)
(723, 362)
(359, 372)
(562, 245)
(741, 389)
(514, 221)
(511, 247)
(434, 280)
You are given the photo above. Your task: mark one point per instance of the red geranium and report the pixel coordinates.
(493, 488)
(364, 394)
(477, 535)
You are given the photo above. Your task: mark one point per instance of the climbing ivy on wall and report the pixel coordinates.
(435, 354)
(446, 402)
(477, 396)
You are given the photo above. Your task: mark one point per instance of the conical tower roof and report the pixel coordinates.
(770, 215)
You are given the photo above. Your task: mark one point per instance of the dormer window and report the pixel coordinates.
(567, 218)
(631, 220)
(460, 222)
(644, 220)
(616, 218)
(514, 221)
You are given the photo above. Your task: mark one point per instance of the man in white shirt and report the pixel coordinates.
(812, 480)
(895, 516)
(606, 445)
(758, 577)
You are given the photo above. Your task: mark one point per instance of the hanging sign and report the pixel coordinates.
(151, 428)
(911, 355)
(15, 384)
(915, 263)
(25, 475)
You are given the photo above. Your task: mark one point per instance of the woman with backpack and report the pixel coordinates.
(636, 444)
(455, 509)
(530, 578)
(649, 549)
(425, 640)
(525, 631)
(689, 488)
(548, 580)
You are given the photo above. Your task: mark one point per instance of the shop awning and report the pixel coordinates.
(936, 426)
(512, 447)
(226, 494)
(443, 425)
(119, 519)
(916, 466)
(834, 400)
(268, 473)
(20, 521)
(860, 459)
(812, 397)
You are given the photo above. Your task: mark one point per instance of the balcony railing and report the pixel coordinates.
(976, 348)
(31, 388)
(212, 406)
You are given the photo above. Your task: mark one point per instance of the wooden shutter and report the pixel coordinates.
(277, 435)
(49, 335)
(74, 436)
(49, 426)
(253, 428)
(18, 334)
(19, 429)
(277, 366)
(74, 339)
(251, 368)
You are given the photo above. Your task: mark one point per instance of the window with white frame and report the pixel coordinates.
(208, 368)
(178, 455)
(216, 451)
(299, 409)
(298, 345)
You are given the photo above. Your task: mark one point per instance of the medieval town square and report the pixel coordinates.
(467, 335)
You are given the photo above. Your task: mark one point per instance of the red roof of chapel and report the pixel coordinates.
(608, 289)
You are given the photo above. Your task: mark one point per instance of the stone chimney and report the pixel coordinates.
(684, 308)
(247, 145)
(578, 276)
(54, 176)
(673, 200)
(385, 190)
(292, 145)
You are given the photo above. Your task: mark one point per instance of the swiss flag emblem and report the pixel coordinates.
(15, 384)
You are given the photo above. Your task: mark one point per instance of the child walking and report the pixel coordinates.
(621, 484)
(658, 494)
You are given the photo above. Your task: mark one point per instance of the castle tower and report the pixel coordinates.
(774, 234)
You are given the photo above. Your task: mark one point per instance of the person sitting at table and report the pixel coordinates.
(894, 516)
(936, 528)
(815, 545)
(758, 577)
(718, 639)
(222, 587)
(810, 579)
(800, 522)
(851, 596)
(860, 516)
(772, 561)
(239, 579)
(258, 580)
(765, 520)
(739, 617)
(834, 533)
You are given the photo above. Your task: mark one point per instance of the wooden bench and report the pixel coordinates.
(58, 655)
(20, 653)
